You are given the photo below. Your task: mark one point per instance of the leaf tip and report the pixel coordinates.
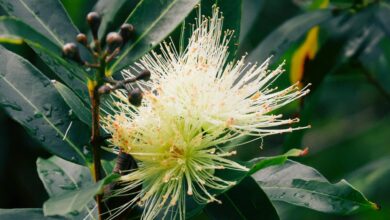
(376, 206)
(304, 152)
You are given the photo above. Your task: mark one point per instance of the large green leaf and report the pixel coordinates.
(290, 31)
(60, 176)
(114, 13)
(15, 29)
(22, 214)
(153, 21)
(301, 185)
(258, 164)
(47, 17)
(244, 201)
(12, 30)
(30, 98)
(75, 200)
(78, 107)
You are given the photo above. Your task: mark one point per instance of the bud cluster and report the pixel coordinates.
(114, 41)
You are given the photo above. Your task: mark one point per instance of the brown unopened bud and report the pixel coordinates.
(82, 39)
(135, 97)
(126, 32)
(113, 40)
(105, 89)
(94, 19)
(144, 75)
(71, 51)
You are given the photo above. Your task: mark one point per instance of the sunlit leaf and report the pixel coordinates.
(75, 200)
(60, 176)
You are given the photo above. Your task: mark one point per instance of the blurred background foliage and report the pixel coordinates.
(347, 60)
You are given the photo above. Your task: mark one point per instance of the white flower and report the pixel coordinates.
(194, 103)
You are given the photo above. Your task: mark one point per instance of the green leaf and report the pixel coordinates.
(108, 166)
(30, 98)
(301, 185)
(60, 176)
(348, 36)
(13, 28)
(74, 201)
(47, 17)
(255, 165)
(77, 11)
(382, 17)
(78, 107)
(244, 201)
(290, 31)
(73, 75)
(261, 163)
(114, 13)
(153, 21)
(260, 19)
(22, 214)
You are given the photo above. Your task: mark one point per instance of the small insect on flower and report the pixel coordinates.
(193, 103)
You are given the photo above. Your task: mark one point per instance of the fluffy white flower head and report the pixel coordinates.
(193, 103)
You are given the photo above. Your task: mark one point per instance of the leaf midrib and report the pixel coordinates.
(45, 118)
(316, 192)
(234, 206)
(41, 22)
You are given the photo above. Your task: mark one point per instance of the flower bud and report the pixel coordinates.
(144, 75)
(71, 51)
(113, 40)
(105, 89)
(135, 97)
(82, 39)
(126, 32)
(94, 19)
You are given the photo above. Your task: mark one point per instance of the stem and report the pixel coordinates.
(96, 139)
(96, 144)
